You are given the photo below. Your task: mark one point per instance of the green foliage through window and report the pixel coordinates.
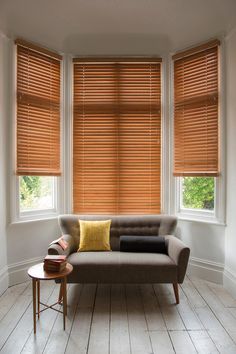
(36, 193)
(198, 192)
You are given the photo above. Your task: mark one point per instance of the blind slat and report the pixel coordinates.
(117, 137)
(196, 112)
(38, 111)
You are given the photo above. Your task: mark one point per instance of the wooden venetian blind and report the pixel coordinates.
(38, 111)
(117, 136)
(196, 147)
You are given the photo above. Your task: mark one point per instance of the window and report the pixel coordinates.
(38, 111)
(37, 194)
(117, 155)
(198, 193)
(196, 145)
(117, 136)
(197, 198)
(196, 128)
(37, 128)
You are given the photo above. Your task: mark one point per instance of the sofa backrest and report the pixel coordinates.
(137, 225)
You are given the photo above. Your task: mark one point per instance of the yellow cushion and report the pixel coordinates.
(94, 235)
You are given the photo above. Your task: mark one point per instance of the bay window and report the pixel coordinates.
(119, 159)
(38, 92)
(197, 129)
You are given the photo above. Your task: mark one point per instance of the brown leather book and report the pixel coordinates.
(54, 268)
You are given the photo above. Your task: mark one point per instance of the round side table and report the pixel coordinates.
(37, 273)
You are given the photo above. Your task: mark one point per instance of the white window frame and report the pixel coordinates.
(217, 216)
(38, 213)
(68, 134)
(165, 148)
(191, 213)
(59, 182)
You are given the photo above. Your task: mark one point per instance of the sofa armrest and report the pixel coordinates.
(179, 253)
(57, 249)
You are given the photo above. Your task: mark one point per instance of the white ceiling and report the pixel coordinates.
(117, 27)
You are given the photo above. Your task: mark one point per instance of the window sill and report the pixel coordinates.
(212, 221)
(36, 218)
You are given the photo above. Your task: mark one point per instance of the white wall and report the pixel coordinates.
(230, 239)
(27, 244)
(3, 117)
(207, 245)
(21, 244)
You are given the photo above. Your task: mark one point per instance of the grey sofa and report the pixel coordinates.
(125, 267)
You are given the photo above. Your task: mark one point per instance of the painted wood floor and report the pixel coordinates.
(121, 319)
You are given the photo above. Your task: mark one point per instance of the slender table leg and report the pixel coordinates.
(34, 302)
(38, 295)
(64, 303)
(65, 281)
(60, 292)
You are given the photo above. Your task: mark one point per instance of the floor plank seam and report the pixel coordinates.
(126, 305)
(15, 301)
(208, 305)
(15, 325)
(54, 322)
(91, 320)
(194, 310)
(140, 295)
(109, 339)
(76, 309)
(186, 330)
(158, 302)
(159, 306)
(47, 300)
(12, 286)
(215, 295)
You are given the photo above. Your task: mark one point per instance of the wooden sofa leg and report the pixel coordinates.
(176, 291)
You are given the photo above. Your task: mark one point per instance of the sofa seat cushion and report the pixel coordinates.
(122, 267)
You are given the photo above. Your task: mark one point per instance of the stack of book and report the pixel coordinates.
(54, 263)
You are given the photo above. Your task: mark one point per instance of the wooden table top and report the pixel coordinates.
(37, 272)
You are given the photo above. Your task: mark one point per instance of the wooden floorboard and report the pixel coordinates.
(23, 329)
(80, 333)
(121, 319)
(100, 327)
(161, 342)
(8, 299)
(36, 343)
(140, 340)
(58, 338)
(14, 315)
(168, 308)
(152, 311)
(119, 325)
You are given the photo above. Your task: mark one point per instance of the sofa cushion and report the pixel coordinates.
(119, 267)
(94, 235)
(143, 244)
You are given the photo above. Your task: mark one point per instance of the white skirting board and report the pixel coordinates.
(207, 270)
(4, 281)
(18, 271)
